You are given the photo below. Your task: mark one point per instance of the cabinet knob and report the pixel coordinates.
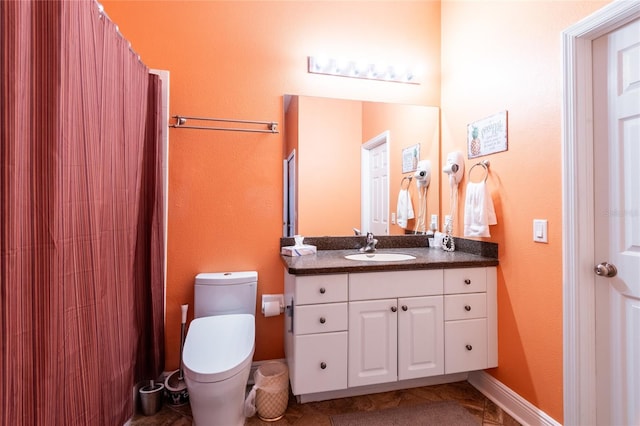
(323, 320)
(323, 365)
(322, 290)
(394, 309)
(467, 308)
(469, 347)
(467, 281)
(404, 308)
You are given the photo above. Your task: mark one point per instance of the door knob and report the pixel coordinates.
(606, 269)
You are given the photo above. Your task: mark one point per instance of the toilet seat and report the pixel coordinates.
(218, 347)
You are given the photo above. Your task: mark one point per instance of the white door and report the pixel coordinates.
(373, 339)
(420, 337)
(617, 224)
(375, 185)
(379, 191)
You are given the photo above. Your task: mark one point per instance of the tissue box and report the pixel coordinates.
(301, 250)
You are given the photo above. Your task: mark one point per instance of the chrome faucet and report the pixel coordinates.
(370, 245)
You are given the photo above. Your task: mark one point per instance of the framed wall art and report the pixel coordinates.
(487, 136)
(410, 157)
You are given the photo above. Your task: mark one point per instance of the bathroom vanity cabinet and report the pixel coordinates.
(395, 326)
(355, 330)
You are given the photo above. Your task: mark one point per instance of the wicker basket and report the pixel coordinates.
(272, 395)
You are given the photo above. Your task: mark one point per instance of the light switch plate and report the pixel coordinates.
(540, 231)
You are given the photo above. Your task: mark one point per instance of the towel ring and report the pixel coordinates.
(406, 178)
(485, 165)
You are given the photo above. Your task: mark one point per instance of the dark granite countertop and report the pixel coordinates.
(331, 261)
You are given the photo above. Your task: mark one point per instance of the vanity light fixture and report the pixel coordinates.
(355, 69)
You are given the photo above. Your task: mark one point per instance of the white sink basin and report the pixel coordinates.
(380, 257)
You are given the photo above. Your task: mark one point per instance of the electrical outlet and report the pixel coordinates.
(434, 222)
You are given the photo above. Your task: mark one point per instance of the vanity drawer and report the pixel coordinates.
(465, 280)
(321, 289)
(321, 318)
(320, 363)
(465, 306)
(465, 345)
(395, 284)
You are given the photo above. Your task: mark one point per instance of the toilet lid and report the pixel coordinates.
(217, 346)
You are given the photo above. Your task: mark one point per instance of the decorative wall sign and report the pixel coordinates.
(487, 136)
(410, 157)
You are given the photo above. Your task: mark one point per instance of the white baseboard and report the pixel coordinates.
(517, 407)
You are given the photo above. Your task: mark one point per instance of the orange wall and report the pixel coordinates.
(236, 59)
(507, 55)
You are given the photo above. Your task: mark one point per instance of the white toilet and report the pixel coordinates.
(219, 347)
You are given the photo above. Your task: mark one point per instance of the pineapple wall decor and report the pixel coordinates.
(487, 136)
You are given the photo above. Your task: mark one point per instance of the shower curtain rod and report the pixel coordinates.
(181, 120)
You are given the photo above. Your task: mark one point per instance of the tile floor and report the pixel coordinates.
(317, 413)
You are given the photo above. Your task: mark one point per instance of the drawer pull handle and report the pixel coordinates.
(394, 309)
(469, 347)
(322, 320)
(322, 290)
(467, 281)
(404, 308)
(467, 308)
(323, 365)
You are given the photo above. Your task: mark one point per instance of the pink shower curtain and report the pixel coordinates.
(81, 275)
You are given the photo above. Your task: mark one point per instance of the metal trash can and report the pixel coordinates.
(151, 398)
(272, 390)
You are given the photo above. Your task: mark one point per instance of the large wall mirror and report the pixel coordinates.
(340, 152)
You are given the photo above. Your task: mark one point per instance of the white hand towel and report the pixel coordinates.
(404, 212)
(478, 211)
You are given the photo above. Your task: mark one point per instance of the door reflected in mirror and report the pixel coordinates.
(343, 164)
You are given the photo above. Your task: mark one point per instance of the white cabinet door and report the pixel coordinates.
(420, 337)
(320, 318)
(465, 306)
(465, 280)
(465, 345)
(320, 363)
(313, 289)
(373, 334)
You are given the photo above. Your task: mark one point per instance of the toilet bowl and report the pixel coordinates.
(217, 357)
(218, 350)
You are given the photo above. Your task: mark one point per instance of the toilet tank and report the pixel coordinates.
(221, 293)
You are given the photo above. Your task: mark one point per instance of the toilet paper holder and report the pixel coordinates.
(268, 298)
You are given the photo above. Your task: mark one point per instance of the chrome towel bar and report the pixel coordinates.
(181, 122)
